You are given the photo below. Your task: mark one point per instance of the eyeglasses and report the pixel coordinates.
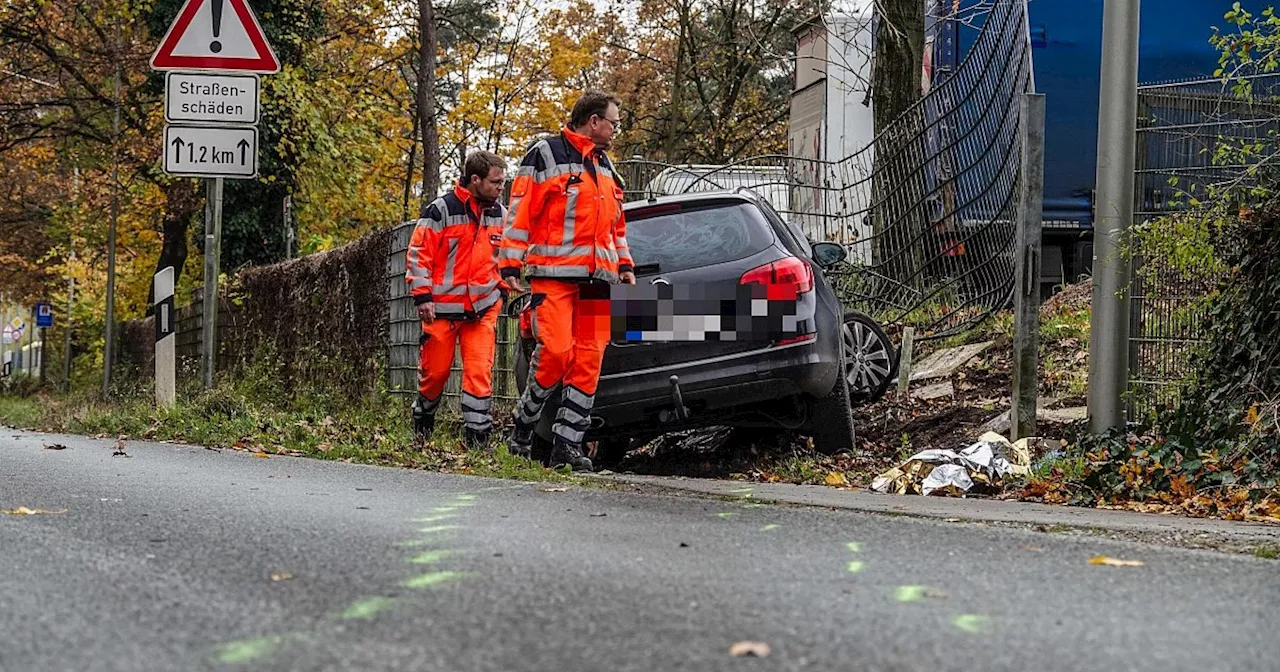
(615, 123)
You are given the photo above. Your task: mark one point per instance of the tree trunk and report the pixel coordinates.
(900, 220)
(182, 202)
(427, 100)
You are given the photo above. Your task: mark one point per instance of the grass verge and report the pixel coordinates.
(374, 431)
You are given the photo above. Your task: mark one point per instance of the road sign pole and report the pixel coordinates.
(166, 347)
(212, 254)
(1117, 145)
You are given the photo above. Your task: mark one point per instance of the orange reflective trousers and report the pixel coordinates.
(439, 341)
(571, 327)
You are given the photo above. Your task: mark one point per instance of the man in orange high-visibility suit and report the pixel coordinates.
(453, 277)
(566, 232)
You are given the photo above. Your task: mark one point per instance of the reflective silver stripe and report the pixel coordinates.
(457, 220)
(606, 275)
(513, 233)
(476, 403)
(549, 160)
(572, 418)
(601, 170)
(570, 217)
(511, 252)
(419, 283)
(451, 262)
(525, 171)
(608, 255)
(448, 308)
(562, 250)
(624, 250)
(433, 224)
(586, 401)
(454, 290)
(558, 271)
(568, 434)
(487, 301)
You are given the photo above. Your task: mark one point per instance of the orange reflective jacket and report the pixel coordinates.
(565, 220)
(452, 258)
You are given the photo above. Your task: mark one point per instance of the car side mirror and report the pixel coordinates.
(827, 255)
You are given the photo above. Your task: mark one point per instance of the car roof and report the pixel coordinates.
(741, 194)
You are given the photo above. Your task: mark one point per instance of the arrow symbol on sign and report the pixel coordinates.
(244, 148)
(177, 149)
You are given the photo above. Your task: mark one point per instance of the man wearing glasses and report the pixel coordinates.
(566, 233)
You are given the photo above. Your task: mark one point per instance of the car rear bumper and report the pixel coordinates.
(717, 386)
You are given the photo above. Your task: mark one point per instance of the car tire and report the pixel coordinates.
(830, 422)
(870, 360)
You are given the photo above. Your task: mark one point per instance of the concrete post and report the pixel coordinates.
(1026, 299)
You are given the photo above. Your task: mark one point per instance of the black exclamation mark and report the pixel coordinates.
(216, 46)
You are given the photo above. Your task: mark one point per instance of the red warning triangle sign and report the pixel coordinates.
(215, 35)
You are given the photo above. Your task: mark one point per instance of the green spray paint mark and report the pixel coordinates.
(416, 543)
(248, 650)
(433, 519)
(856, 566)
(754, 506)
(910, 593)
(430, 557)
(368, 607)
(431, 579)
(854, 547)
(465, 498)
(726, 514)
(444, 509)
(438, 529)
(770, 526)
(972, 623)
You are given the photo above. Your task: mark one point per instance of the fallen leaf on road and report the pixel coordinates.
(599, 515)
(55, 446)
(281, 576)
(1032, 549)
(937, 594)
(553, 489)
(749, 650)
(836, 479)
(24, 511)
(1114, 562)
(262, 455)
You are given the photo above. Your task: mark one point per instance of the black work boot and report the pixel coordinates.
(475, 439)
(570, 455)
(520, 444)
(424, 423)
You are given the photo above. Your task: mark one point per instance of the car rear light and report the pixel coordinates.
(797, 339)
(783, 279)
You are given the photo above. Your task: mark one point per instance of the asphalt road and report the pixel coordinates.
(164, 560)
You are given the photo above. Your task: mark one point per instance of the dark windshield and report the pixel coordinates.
(696, 235)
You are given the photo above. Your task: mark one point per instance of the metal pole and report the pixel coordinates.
(1117, 119)
(1026, 300)
(108, 357)
(212, 254)
(66, 345)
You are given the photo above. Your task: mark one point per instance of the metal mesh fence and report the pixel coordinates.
(926, 210)
(1187, 134)
(405, 330)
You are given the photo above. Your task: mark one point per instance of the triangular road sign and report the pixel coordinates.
(215, 35)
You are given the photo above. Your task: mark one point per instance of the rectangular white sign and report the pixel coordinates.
(207, 98)
(211, 151)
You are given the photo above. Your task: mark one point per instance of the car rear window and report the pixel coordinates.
(696, 235)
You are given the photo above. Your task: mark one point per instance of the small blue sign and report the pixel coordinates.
(44, 315)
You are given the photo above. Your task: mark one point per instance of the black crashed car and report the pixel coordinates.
(710, 255)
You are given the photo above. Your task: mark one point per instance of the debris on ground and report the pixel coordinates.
(990, 462)
(946, 362)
